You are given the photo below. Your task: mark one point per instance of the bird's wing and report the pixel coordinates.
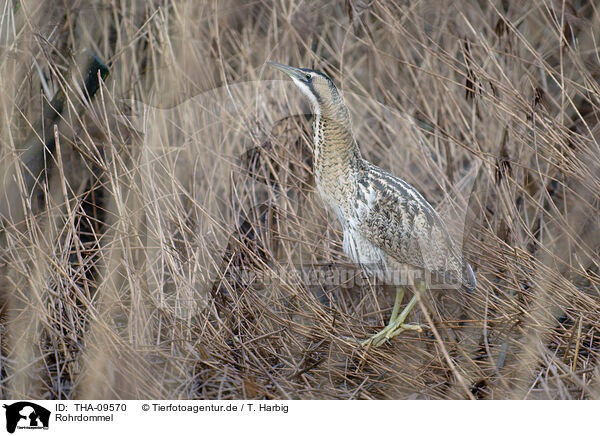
(397, 219)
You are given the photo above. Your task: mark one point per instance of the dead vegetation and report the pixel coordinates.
(162, 238)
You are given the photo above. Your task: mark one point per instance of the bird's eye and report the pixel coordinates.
(307, 77)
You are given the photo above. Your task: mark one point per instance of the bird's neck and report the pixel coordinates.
(337, 158)
(336, 152)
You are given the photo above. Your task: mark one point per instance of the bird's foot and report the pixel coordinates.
(390, 331)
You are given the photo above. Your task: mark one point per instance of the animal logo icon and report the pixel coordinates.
(24, 414)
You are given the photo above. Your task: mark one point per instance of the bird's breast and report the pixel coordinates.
(334, 201)
(336, 185)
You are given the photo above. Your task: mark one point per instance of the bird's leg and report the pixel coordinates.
(396, 324)
(395, 310)
(397, 302)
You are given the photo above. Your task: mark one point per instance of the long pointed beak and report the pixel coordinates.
(290, 71)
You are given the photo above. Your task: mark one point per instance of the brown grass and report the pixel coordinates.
(159, 255)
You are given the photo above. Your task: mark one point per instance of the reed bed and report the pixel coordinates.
(161, 236)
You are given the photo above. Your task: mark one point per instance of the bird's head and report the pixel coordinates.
(319, 88)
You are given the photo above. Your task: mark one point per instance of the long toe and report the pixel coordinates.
(393, 332)
(377, 336)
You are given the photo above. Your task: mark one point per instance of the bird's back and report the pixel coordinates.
(394, 226)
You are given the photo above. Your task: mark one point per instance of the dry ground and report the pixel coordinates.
(174, 246)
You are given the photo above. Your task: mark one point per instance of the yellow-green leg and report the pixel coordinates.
(397, 303)
(396, 324)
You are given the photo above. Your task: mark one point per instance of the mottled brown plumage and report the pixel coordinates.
(387, 224)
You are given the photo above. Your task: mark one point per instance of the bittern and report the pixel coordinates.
(388, 226)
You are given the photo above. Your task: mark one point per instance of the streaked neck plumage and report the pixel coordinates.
(337, 158)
